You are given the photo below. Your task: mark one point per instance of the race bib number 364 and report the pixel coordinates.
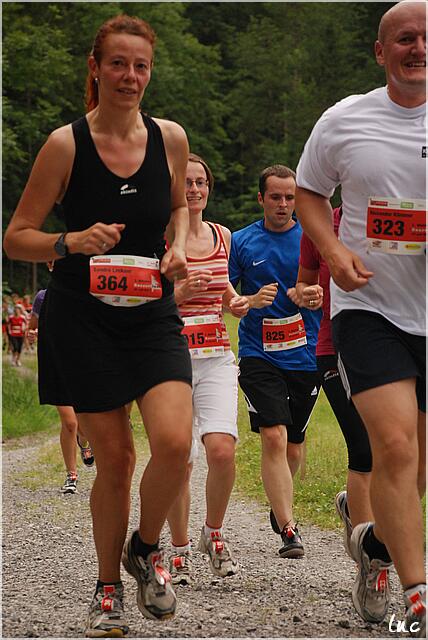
(125, 281)
(396, 226)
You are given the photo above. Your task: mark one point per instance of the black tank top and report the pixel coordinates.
(96, 194)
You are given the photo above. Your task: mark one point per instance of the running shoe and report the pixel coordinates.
(106, 616)
(416, 603)
(70, 484)
(341, 501)
(155, 596)
(222, 563)
(180, 568)
(86, 454)
(370, 593)
(293, 546)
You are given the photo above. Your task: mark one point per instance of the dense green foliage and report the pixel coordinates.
(246, 80)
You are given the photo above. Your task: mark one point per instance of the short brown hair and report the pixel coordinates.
(278, 170)
(195, 158)
(119, 24)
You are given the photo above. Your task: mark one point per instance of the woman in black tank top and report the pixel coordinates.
(109, 329)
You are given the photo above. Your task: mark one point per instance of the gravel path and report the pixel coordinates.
(49, 570)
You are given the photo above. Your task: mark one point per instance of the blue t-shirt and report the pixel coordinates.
(259, 257)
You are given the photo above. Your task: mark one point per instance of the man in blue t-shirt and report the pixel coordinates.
(277, 340)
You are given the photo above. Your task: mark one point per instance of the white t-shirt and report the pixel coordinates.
(373, 148)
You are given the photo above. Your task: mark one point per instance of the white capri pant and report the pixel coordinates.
(215, 398)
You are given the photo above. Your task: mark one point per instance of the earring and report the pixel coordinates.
(96, 80)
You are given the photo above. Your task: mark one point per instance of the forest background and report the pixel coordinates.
(246, 80)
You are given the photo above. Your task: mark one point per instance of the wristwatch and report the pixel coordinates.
(60, 246)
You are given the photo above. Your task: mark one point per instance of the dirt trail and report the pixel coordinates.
(49, 569)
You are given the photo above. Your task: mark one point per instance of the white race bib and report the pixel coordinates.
(204, 336)
(125, 281)
(280, 334)
(396, 226)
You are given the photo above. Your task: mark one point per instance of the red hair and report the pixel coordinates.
(119, 24)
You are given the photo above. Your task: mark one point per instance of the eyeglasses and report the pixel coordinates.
(200, 183)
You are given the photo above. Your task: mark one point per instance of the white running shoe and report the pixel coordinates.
(341, 502)
(106, 616)
(220, 556)
(155, 596)
(416, 604)
(370, 593)
(180, 568)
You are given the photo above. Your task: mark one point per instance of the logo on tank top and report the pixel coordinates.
(126, 189)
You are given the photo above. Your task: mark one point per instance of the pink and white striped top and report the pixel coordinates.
(210, 301)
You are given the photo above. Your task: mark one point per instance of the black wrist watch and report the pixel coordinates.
(60, 246)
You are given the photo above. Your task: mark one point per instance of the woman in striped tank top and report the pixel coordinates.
(201, 299)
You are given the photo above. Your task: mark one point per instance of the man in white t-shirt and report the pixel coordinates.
(373, 145)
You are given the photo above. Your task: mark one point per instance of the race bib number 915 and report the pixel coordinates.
(204, 336)
(396, 226)
(125, 281)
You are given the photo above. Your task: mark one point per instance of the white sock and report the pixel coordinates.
(209, 530)
(179, 551)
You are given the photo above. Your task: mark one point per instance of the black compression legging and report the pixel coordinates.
(353, 429)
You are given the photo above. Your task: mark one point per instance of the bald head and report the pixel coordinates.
(401, 50)
(398, 13)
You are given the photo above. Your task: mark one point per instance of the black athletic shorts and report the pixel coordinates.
(16, 343)
(276, 396)
(373, 352)
(350, 423)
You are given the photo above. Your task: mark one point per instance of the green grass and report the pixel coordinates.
(50, 463)
(22, 413)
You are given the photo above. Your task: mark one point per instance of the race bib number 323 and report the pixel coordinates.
(396, 225)
(125, 281)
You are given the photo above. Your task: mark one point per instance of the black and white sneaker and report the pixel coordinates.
(293, 547)
(70, 484)
(106, 616)
(86, 454)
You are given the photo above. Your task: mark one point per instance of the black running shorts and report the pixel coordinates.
(373, 352)
(276, 396)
